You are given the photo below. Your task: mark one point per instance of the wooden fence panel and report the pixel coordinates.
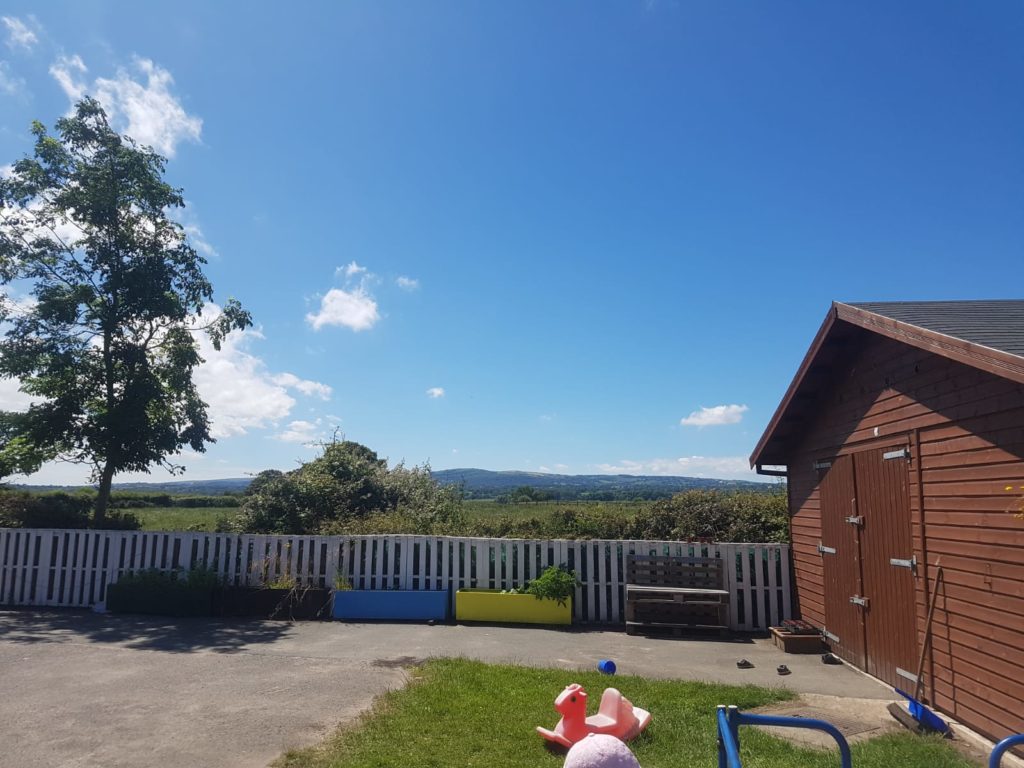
(74, 567)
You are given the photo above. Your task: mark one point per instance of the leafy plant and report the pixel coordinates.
(556, 583)
(202, 577)
(106, 345)
(342, 584)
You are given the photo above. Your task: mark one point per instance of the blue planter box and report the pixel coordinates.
(391, 604)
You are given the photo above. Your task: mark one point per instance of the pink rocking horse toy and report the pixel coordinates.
(616, 717)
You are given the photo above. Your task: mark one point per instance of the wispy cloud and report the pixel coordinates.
(350, 270)
(145, 109)
(728, 467)
(435, 392)
(19, 34)
(305, 386)
(301, 432)
(9, 83)
(715, 416)
(408, 283)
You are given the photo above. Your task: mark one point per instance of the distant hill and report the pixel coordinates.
(181, 487)
(481, 484)
(485, 484)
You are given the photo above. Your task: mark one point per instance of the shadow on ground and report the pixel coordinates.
(151, 633)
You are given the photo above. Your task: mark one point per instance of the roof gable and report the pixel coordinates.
(983, 334)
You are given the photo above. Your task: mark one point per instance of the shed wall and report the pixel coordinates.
(965, 428)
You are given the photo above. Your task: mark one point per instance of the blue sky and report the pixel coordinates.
(545, 236)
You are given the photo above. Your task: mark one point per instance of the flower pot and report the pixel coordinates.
(258, 602)
(501, 607)
(159, 599)
(391, 604)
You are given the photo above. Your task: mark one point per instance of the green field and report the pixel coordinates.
(205, 518)
(483, 509)
(180, 518)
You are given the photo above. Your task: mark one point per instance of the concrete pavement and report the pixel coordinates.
(84, 690)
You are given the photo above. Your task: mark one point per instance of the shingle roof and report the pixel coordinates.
(995, 324)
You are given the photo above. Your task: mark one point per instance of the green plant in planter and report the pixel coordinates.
(342, 584)
(556, 583)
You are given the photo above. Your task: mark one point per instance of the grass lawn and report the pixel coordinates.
(180, 518)
(465, 713)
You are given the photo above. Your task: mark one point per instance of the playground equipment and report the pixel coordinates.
(997, 753)
(616, 717)
(730, 719)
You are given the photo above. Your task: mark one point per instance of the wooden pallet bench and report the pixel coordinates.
(675, 593)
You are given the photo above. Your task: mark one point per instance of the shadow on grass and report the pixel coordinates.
(150, 633)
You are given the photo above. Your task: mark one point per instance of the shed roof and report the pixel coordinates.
(984, 334)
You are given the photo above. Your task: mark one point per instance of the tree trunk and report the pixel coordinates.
(103, 495)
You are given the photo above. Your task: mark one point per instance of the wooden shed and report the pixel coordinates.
(902, 441)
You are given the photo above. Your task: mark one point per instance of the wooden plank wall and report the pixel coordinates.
(971, 430)
(72, 568)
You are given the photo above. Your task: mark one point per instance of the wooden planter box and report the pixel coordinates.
(791, 643)
(495, 606)
(391, 604)
(170, 599)
(259, 602)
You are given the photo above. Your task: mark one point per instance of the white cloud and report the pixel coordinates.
(350, 270)
(149, 112)
(18, 33)
(241, 392)
(728, 467)
(13, 399)
(715, 416)
(408, 284)
(185, 217)
(6, 171)
(301, 432)
(561, 467)
(9, 84)
(63, 71)
(353, 309)
(305, 386)
(435, 392)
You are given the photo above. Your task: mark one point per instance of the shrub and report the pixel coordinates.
(556, 583)
(715, 516)
(21, 509)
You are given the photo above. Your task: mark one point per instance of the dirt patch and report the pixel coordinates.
(856, 719)
(401, 662)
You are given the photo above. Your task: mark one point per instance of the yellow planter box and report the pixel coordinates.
(496, 606)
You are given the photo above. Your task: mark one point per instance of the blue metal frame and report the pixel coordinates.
(730, 719)
(997, 753)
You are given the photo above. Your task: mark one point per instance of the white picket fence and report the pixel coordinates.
(73, 567)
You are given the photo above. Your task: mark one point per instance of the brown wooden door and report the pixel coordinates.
(883, 501)
(840, 557)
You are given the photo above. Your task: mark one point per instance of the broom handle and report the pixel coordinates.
(928, 627)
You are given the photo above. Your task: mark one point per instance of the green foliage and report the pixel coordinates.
(19, 509)
(715, 516)
(556, 583)
(340, 489)
(107, 346)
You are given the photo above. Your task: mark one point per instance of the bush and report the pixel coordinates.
(341, 489)
(21, 509)
(715, 516)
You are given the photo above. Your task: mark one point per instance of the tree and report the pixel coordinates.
(347, 482)
(105, 345)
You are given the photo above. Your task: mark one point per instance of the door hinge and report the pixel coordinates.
(822, 549)
(911, 563)
(830, 636)
(899, 453)
(855, 520)
(858, 600)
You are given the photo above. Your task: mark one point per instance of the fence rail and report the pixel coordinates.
(74, 567)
